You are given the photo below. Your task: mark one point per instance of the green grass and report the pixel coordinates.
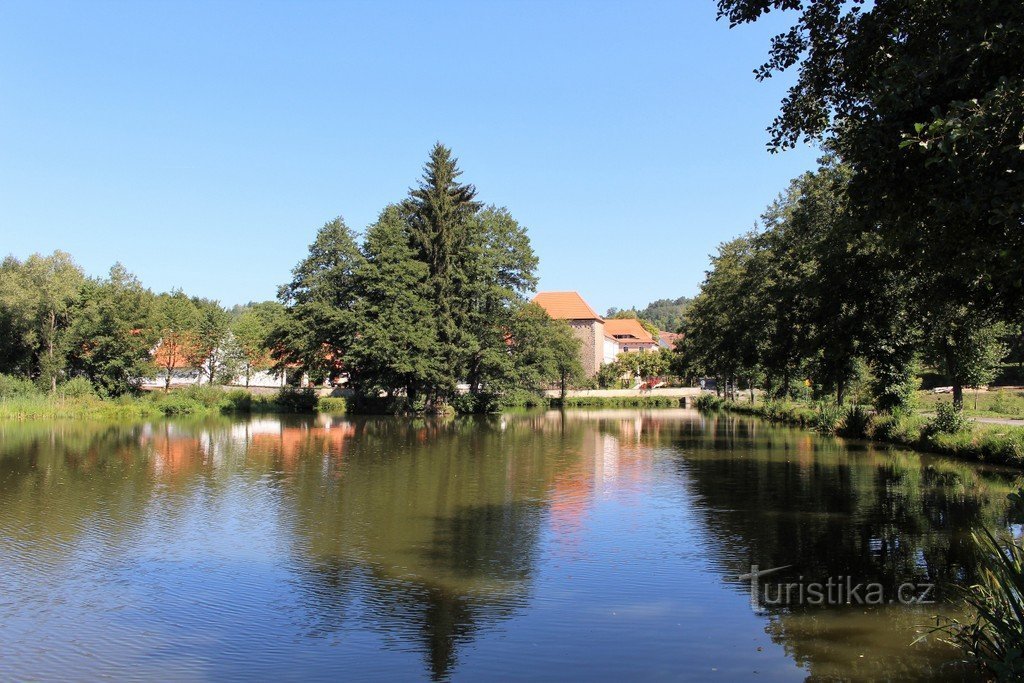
(615, 402)
(1007, 403)
(983, 442)
(31, 404)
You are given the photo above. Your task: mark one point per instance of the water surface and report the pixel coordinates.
(601, 544)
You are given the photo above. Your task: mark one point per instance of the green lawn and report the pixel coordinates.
(1007, 403)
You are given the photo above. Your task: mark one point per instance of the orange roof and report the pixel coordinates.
(670, 339)
(628, 327)
(565, 306)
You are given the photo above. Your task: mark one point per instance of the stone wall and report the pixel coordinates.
(591, 334)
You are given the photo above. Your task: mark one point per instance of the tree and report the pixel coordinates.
(439, 212)
(179, 324)
(499, 270)
(541, 352)
(250, 335)
(38, 297)
(320, 326)
(967, 350)
(113, 332)
(725, 326)
(395, 349)
(663, 314)
(219, 364)
(924, 101)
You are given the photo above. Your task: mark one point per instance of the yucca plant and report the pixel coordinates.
(993, 634)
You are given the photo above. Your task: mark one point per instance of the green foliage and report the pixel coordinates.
(37, 298)
(76, 387)
(112, 333)
(297, 400)
(617, 402)
(994, 632)
(320, 325)
(16, 387)
(857, 422)
(948, 420)
(828, 417)
(435, 297)
(394, 349)
(332, 404)
(249, 340)
(708, 402)
(662, 314)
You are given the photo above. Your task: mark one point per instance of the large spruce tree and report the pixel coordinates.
(440, 212)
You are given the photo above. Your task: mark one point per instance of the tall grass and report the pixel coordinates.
(993, 634)
(944, 434)
(21, 400)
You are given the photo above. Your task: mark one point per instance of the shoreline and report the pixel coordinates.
(979, 442)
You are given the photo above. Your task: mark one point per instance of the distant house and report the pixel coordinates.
(668, 340)
(630, 335)
(586, 324)
(612, 348)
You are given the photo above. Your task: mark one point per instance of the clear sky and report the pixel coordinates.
(202, 144)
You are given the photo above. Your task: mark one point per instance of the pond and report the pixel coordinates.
(589, 544)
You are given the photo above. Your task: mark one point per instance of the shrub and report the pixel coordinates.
(708, 401)
(236, 401)
(76, 387)
(295, 400)
(947, 420)
(522, 398)
(856, 423)
(828, 418)
(17, 387)
(899, 429)
(332, 404)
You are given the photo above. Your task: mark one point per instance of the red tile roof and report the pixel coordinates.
(670, 339)
(565, 306)
(624, 328)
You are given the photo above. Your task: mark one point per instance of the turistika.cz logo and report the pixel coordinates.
(836, 590)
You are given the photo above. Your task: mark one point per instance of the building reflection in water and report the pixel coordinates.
(431, 533)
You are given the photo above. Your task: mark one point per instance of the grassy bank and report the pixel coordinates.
(1007, 403)
(615, 402)
(29, 404)
(940, 434)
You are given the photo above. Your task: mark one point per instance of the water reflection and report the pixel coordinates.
(597, 543)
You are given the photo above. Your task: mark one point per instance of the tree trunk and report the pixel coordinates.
(958, 396)
(840, 392)
(53, 332)
(564, 388)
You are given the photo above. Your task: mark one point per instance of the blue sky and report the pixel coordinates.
(202, 144)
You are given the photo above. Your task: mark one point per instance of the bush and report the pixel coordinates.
(828, 418)
(77, 387)
(16, 387)
(522, 398)
(708, 401)
(948, 420)
(857, 422)
(294, 400)
(332, 404)
(898, 429)
(236, 401)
